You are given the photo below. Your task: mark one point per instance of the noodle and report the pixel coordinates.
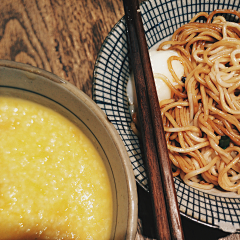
(205, 108)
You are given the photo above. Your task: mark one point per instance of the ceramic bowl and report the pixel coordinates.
(161, 18)
(27, 82)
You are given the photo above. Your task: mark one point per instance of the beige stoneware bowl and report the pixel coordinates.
(27, 82)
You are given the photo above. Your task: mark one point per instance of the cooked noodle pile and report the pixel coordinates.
(201, 120)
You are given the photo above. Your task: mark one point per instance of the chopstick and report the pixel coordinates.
(161, 183)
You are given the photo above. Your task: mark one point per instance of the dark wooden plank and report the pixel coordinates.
(63, 37)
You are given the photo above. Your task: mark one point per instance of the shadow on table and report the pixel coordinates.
(192, 230)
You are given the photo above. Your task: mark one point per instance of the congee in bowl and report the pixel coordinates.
(64, 173)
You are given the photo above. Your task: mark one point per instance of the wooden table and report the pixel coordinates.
(64, 37)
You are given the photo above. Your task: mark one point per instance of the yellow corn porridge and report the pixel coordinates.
(53, 183)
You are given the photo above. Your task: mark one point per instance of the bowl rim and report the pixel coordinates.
(131, 183)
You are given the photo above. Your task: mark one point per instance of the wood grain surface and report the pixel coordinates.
(64, 37)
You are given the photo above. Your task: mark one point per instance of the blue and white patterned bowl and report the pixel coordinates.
(160, 18)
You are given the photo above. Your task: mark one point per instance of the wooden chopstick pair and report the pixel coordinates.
(161, 184)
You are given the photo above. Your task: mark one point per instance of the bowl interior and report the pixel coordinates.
(33, 84)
